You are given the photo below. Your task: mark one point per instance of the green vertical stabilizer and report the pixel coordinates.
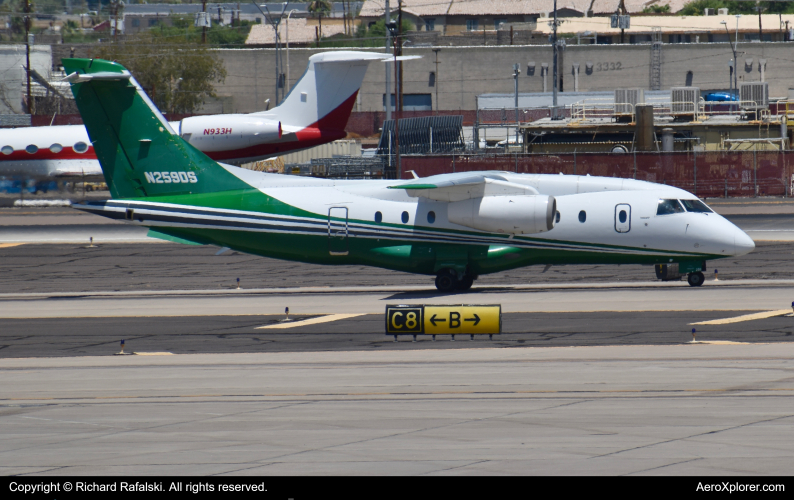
(140, 155)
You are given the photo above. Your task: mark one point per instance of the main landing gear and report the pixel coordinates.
(695, 279)
(447, 281)
(672, 272)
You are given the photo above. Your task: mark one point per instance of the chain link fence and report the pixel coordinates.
(706, 174)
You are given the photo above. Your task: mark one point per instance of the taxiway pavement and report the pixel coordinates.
(592, 375)
(633, 410)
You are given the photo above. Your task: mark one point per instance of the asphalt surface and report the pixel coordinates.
(593, 373)
(125, 267)
(702, 410)
(239, 334)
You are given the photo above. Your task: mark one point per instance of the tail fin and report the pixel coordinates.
(139, 152)
(325, 94)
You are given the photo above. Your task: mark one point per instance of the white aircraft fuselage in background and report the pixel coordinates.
(314, 112)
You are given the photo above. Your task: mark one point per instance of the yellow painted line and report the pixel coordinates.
(9, 245)
(312, 321)
(718, 342)
(745, 317)
(154, 353)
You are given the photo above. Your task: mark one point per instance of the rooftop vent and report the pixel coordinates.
(754, 95)
(627, 99)
(684, 100)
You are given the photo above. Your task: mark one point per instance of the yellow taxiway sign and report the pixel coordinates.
(434, 320)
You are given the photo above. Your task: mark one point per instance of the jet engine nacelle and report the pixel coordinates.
(224, 132)
(523, 214)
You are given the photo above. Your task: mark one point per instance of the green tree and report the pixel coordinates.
(178, 73)
(320, 7)
(379, 28)
(657, 9)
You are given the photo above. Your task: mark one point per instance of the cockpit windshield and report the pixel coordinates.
(696, 206)
(667, 207)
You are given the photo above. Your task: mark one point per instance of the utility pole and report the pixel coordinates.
(387, 20)
(398, 164)
(554, 112)
(399, 45)
(203, 24)
(760, 32)
(436, 82)
(28, 42)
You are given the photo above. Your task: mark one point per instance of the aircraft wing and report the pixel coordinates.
(463, 188)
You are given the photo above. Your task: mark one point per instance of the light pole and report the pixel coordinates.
(289, 14)
(386, 22)
(516, 72)
(274, 22)
(554, 115)
(730, 66)
(28, 9)
(393, 28)
(736, 61)
(734, 88)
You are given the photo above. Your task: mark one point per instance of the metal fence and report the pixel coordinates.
(706, 174)
(342, 167)
(429, 134)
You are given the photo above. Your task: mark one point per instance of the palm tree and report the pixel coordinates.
(320, 7)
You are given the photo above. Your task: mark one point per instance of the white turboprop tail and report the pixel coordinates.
(326, 93)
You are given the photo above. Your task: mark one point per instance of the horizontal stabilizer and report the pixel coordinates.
(167, 237)
(401, 58)
(104, 75)
(464, 188)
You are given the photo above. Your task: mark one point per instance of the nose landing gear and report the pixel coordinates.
(695, 279)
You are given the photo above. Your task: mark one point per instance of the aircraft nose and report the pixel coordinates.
(743, 244)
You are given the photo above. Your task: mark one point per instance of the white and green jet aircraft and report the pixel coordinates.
(453, 226)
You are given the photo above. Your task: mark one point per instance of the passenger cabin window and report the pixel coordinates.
(582, 216)
(696, 206)
(32, 149)
(558, 218)
(667, 207)
(7, 150)
(431, 217)
(378, 217)
(405, 217)
(80, 147)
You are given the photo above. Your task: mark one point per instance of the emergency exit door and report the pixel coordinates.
(623, 218)
(337, 231)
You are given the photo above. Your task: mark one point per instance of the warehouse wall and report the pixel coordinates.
(464, 72)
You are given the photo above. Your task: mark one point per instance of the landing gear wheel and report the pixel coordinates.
(695, 279)
(446, 280)
(465, 283)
